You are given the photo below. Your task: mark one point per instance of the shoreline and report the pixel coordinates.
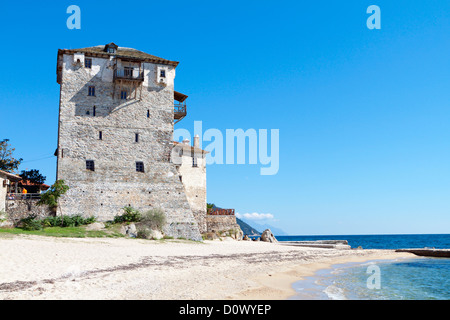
(280, 286)
(37, 267)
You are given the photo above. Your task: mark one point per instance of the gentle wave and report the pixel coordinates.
(400, 279)
(335, 293)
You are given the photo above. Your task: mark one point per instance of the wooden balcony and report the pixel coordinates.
(179, 111)
(129, 74)
(179, 106)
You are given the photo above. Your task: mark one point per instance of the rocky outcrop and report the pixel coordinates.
(129, 230)
(428, 252)
(268, 236)
(224, 225)
(96, 226)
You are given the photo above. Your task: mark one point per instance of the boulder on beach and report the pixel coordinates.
(96, 226)
(129, 230)
(268, 236)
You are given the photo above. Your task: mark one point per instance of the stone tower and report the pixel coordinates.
(116, 118)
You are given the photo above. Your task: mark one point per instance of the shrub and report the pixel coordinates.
(66, 221)
(154, 219)
(31, 223)
(143, 233)
(130, 215)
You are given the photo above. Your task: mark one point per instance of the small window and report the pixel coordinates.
(91, 91)
(128, 72)
(112, 50)
(148, 113)
(136, 137)
(100, 135)
(139, 166)
(88, 63)
(123, 95)
(90, 165)
(162, 73)
(93, 111)
(194, 162)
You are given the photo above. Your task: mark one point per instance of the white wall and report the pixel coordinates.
(2, 194)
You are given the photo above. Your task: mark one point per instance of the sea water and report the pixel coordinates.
(417, 278)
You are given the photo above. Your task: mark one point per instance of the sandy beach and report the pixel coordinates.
(35, 267)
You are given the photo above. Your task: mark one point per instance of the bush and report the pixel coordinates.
(130, 215)
(64, 221)
(154, 219)
(31, 223)
(143, 233)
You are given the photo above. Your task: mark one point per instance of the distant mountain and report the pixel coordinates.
(247, 229)
(276, 231)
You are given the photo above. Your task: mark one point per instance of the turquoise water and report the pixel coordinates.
(385, 241)
(409, 279)
(402, 279)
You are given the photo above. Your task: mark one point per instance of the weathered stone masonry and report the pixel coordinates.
(136, 129)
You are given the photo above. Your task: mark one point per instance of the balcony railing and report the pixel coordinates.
(23, 196)
(179, 110)
(220, 212)
(129, 74)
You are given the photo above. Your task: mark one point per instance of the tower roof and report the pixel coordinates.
(121, 52)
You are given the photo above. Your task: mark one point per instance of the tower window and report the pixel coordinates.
(90, 165)
(139, 166)
(128, 72)
(162, 73)
(136, 137)
(194, 162)
(123, 95)
(88, 63)
(100, 135)
(91, 91)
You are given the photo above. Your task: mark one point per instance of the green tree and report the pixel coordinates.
(50, 198)
(33, 176)
(7, 162)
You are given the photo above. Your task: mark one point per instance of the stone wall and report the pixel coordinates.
(221, 223)
(115, 183)
(19, 209)
(194, 181)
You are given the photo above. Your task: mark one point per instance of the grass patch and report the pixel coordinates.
(66, 232)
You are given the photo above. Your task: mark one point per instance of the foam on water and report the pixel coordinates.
(401, 279)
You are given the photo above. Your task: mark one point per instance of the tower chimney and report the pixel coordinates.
(196, 141)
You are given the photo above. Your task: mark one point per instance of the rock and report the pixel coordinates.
(96, 226)
(237, 234)
(267, 236)
(156, 234)
(129, 230)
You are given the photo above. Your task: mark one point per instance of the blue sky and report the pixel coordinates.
(363, 114)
